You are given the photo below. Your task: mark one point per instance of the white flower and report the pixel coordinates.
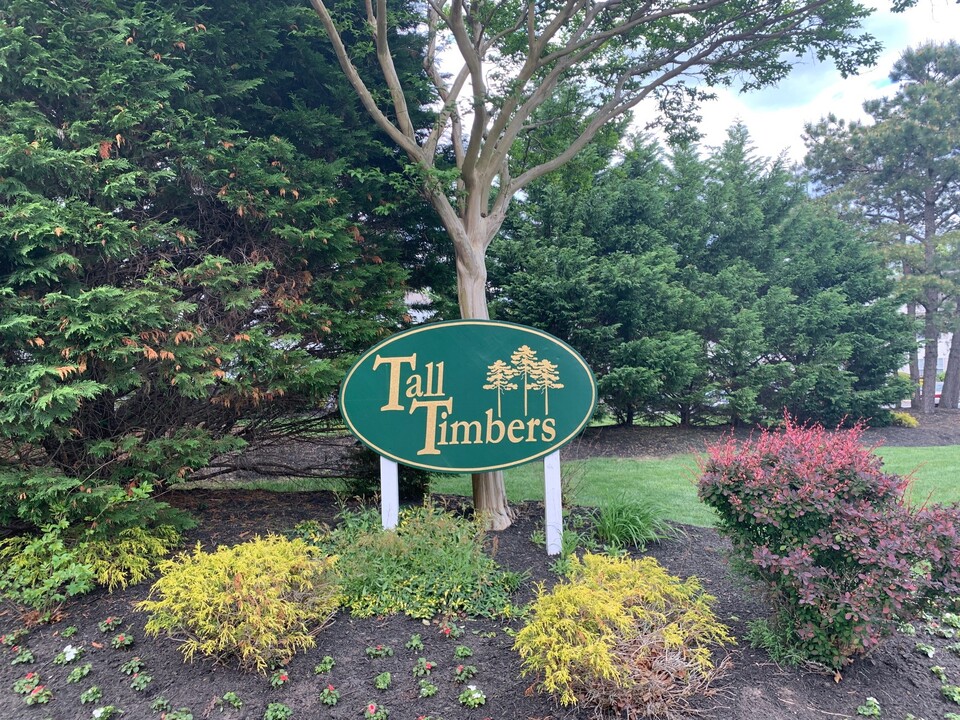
(71, 653)
(98, 712)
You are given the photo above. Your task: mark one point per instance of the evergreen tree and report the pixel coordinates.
(177, 278)
(901, 174)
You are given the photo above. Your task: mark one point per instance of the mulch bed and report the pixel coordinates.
(896, 673)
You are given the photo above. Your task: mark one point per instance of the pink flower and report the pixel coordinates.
(459, 668)
(30, 675)
(331, 688)
(372, 708)
(284, 677)
(445, 630)
(37, 689)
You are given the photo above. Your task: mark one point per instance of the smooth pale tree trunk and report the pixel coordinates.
(950, 397)
(489, 490)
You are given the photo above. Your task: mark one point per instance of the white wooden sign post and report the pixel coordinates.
(389, 492)
(552, 502)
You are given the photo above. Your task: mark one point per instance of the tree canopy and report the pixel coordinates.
(182, 270)
(706, 289)
(900, 174)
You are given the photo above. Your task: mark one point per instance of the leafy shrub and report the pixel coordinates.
(903, 419)
(41, 572)
(622, 635)
(257, 602)
(433, 564)
(129, 557)
(812, 515)
(631, 523)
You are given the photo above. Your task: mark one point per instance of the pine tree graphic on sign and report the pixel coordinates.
(524, 359)
(545, 377)
(499, 376)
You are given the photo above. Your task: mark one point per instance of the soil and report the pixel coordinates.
(755, 688)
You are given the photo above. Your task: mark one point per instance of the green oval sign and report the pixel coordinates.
(468, 396)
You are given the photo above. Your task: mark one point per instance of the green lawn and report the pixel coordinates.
(670, 482)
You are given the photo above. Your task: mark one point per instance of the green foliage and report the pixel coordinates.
(129, 557)
(433, 564)
(622, 634)
(79, 672)
(707, 290)
(325, 665)
(42, 572)
(871, 708)
(905, 198)
(256, 603)
(631, 523)
(181, 271)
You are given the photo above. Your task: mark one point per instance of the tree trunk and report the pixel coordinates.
(489, 490)
(950, 397)
(931, 336)
(914, 362)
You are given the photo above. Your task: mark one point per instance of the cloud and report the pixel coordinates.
(776, 116)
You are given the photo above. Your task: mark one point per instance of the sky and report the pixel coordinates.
(776, 116)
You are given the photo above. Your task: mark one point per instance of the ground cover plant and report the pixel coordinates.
(434, 564)
(813, 517)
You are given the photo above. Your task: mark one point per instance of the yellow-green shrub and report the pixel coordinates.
(129, 556)
(623, 635)
(257, 603)
(903, 419)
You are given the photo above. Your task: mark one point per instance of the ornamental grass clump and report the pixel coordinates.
(256, 603)
(623, 636)
(845, 560)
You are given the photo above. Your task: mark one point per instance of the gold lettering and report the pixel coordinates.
(549, 428)
(431, 390)
(430, 436)
(414, 386)
(393, 396)
(494, 425)
(515, 426)
(466, 427)
(531, 424)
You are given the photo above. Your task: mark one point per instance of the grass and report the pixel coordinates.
(669, 482)
(935, 471)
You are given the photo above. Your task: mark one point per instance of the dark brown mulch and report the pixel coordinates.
(755, 689)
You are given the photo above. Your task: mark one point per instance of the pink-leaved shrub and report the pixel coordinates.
(813, 516)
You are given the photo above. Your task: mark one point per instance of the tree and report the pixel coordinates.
(499, 379)
(706, 288)
(172, 286)
(901, 174)
(511, 60)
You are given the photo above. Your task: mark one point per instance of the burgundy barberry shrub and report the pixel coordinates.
(813, 516)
